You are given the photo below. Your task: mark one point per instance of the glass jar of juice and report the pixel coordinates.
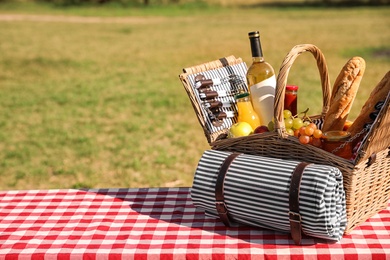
(246, 113)
(291, 99)
(337, 142)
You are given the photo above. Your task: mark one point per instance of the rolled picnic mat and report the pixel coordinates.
(256, 192)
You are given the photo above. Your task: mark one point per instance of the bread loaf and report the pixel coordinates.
(344, 93)
(379, 93)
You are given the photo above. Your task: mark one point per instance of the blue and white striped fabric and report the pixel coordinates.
(256, 193)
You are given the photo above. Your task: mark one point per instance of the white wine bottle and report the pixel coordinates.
(261, 81)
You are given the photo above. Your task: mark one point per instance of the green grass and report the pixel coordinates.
(100, 104)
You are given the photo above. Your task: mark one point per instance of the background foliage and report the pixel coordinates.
(90, 95)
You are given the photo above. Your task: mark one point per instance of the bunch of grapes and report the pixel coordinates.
(302, 128)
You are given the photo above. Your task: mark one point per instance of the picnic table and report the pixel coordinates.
(156, 223)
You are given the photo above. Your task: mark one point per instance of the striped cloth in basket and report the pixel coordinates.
(256, 191)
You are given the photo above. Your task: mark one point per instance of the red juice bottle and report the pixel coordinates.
(291, 99)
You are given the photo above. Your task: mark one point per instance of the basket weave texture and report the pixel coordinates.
(366, 179)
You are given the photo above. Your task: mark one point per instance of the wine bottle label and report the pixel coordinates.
(263, 96)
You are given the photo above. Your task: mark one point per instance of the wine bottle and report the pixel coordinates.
(261, 81)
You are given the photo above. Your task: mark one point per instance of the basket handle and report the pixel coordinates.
(282, 81)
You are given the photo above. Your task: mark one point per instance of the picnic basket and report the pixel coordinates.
(366, 179)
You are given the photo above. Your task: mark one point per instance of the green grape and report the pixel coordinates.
(306, 123)
(287, 114)
(290, 131)
(271, 126)
(288, 123)
(297, 123)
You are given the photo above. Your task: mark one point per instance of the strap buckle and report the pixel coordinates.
(221, 207)
(295, 217)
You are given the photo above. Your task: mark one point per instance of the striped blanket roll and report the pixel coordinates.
(256, 193)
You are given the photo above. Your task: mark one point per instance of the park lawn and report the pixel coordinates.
(98, 102)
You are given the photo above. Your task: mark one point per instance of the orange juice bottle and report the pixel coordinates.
(245, 110)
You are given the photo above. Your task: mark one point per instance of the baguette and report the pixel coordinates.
(379, 93)
(343, 94)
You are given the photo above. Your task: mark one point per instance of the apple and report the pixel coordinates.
(261, 129)
(240, 129)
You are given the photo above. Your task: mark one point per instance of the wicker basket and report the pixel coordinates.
(366, 179)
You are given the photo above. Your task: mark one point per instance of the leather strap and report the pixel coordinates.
(219, 188)
(224, 62)
(294, 215)
(226, 65)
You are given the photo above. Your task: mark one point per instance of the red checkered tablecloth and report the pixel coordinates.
(155, 223)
